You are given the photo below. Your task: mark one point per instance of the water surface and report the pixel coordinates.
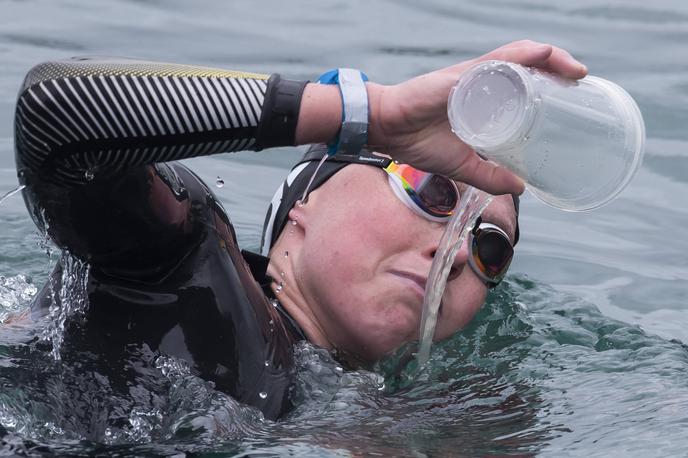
(580, 352)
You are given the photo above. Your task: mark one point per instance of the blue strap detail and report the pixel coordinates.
(332, 77)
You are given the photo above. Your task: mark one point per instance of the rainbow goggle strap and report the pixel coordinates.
(431, 196)
(491, 252)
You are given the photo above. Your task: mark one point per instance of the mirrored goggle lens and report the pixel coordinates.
(492, 253)
(436, 194)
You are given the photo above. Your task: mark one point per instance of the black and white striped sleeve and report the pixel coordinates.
(84, 117)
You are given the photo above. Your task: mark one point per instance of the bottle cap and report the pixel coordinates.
(492, 108)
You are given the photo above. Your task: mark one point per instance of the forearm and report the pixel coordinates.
(80, 119)
(320, 114)
(87, 131)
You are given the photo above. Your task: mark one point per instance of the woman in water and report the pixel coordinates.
(346, 270)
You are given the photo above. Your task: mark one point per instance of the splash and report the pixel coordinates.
(15, 296)
(69, 297)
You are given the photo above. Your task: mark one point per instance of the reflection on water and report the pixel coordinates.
(566, 361)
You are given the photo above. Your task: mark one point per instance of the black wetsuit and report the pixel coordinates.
(94, 138)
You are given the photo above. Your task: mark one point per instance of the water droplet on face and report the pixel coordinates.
(272, 322)
(274, 303)
(282, 274)
(263, 395)
(219, 182)
(89, 175)
(279, 288)
(300, 203)
(286, 254)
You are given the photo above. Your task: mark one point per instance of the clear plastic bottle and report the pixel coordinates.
(577, 144)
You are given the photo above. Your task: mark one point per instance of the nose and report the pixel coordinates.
(460, 258)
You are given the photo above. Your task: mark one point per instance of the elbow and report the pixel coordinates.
(41, 124)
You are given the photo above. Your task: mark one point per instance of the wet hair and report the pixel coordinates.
(293, 187)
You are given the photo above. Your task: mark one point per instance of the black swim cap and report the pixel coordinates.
(292, 189)
(294, 185)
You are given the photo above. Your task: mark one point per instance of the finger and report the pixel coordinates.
(487, 176)
(563, 63)
(527, 54)
(524, 52)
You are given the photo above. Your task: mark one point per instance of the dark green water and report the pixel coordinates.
(580, 352)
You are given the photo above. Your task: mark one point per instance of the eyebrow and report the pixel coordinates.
(506, 224)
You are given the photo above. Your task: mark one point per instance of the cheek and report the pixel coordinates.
(343, 265)
(461, 302)
(377, 328)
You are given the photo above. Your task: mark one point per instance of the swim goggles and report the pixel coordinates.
(491, 252)
(435, 197)
(431, 196)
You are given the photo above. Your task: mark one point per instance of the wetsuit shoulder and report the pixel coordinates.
(93, 140)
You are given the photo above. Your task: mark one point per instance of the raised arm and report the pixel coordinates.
(82, 118)
(92, 137)
(88, 122)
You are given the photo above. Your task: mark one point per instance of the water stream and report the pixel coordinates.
(473, 202)
(12, 192)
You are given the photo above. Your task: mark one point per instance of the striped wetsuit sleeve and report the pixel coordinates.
(84, 117)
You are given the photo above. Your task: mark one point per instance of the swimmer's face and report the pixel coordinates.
(364, 257)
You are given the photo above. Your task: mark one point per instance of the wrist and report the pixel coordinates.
(320, 117)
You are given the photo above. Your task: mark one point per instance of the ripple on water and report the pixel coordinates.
(42, 42)
(530, 372)
(640, 16)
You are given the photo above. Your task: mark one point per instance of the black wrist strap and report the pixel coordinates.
(281, 107)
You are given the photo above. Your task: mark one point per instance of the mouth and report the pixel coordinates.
(414, 281)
